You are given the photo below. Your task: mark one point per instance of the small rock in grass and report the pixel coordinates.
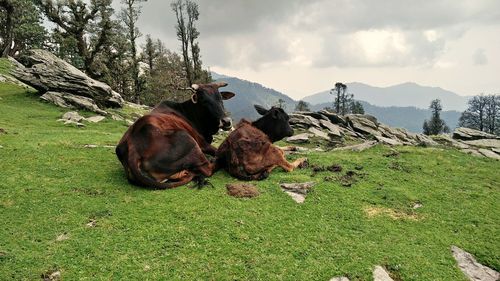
(90, 146)
(72, 116)
(62, 237)
(51, 275)
(297, 191)
(242, 190)
(417, 205)
(96, 119)
(3, 131)
(379, 274)
(91, 223)
(471, 268)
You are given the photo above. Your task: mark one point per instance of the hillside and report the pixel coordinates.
(68, 208)
(410, 118)
(250, 93)
(402, 95)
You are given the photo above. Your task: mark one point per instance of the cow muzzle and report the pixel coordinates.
(226, 123)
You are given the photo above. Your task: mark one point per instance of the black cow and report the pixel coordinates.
(248, 152)
(167, 147)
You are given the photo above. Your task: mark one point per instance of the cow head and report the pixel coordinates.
(208, 102)
(274, 123)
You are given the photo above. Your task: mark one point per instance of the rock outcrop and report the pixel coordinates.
(353, 127)
(47, 73)
(473, 142)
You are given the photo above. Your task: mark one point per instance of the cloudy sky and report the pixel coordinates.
(301, 47)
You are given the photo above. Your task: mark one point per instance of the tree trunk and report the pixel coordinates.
(9, 8)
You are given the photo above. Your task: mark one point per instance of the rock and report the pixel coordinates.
(472, 152)
(1, 146)
(349, 133)
(447, 140)
(12, 80)
(117, 117)
(304, 120)
(496, 150)
(319, 133)
(70, 122)
(471, 268)
(388, 141)
(424, 140)
(300, 138)
(51, 275)
(379, 274)
(357, 147)
(129, 122)
(91, 223)
(333, 117)
(72, 116)
(90, 146)
(62, 237)
(96, 119)
(67, 100)
(297, 191)
(242, 190)
(488, 153)
(363, 125)
(334, 130)
(315, 115)
(342, 278)
(488, 143)
(45, 72)
(471, 134)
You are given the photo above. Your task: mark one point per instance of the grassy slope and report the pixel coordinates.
(50, 185)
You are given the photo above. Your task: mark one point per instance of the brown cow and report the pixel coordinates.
(167, 147)
(248, 152)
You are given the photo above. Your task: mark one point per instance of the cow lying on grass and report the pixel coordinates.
(165, 148)
(248, 152)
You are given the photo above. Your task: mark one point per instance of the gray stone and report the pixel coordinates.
(333, 117)
(117, 117)
(300, 138)
(472, 152)
(297, 191)
(96, 119)
(447, 140)
(349, 133)
(72, 116)
(363, 125)
(496, 150)
(471, 134)
(379, 274)
(304, 120)
(471, 268)
(315, 115)
(319, 133)
(357, 147)
(425, 140)
(488, 143)
(488, 153)
(67, 100)
(334, 130)
(388, 141)
(46, 72)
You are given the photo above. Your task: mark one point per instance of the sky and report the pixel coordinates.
(301, 47)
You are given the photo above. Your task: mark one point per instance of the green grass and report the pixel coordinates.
(50, 185)
(4, 66)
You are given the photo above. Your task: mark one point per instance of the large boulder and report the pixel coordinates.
(471, 134)
(47, 73)
(303, 121)
(68, 100)
(364, 124)
(333, 117)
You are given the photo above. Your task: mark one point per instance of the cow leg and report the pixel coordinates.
(281, 161)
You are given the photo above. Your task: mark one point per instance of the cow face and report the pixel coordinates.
(208, 100)
(274, 123)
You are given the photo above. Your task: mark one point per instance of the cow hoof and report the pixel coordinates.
(304, 163)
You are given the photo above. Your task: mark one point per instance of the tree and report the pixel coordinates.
(281, 103)
(357, 108)
(435, 125)
(178, 7)
(482, 113)
(302, 106)
(20, 27)
(130, 16)
(86, 30)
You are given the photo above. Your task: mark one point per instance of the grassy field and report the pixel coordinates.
(51, 187)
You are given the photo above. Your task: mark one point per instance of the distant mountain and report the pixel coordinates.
(410, 118)
(403, 95)
(250, 93)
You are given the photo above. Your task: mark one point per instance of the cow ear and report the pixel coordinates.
(227, 95)
(261, 110)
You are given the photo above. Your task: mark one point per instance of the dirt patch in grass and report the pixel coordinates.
(374, 211)
(335, 168)
(242, 190)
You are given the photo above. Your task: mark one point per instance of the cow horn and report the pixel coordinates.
(220, 84)
(195, 86)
